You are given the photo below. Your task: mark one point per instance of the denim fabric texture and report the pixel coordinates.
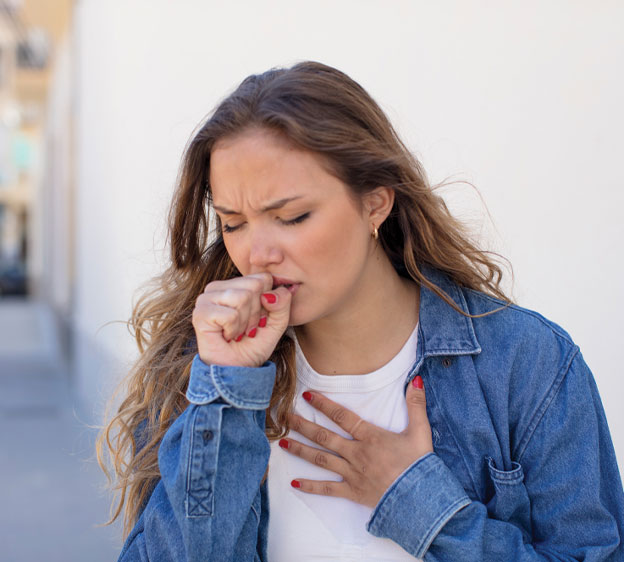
(523, 467)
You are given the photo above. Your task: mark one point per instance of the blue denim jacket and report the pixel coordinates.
(523, 468)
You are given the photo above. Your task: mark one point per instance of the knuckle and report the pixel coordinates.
(320, 459)
(338, 415)
(321, 436)
(327, 488)
(417, 399)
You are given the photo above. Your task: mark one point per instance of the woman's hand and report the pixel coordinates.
(239, 321)
(371, 461)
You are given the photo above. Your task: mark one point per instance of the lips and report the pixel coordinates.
(292, 286)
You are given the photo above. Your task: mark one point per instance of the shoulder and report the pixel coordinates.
(525, 361)
(516, 330)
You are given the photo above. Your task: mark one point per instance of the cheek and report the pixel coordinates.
(337, 248)
(239, 256)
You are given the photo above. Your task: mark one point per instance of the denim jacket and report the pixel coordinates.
(523, 466)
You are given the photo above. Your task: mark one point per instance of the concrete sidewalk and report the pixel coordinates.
(51, 485)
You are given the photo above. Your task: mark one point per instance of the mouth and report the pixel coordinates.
(292, 286)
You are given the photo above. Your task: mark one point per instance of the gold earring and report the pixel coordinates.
(375, 233)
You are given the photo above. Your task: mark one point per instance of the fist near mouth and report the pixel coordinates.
(237, 322)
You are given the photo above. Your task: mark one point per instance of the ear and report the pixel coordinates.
(378, 204)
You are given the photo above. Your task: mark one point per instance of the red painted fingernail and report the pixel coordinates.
(284, 444)
(239, 338)
(418, 382)
(262, 322)
(307, 396)
(295, 484)
(252, 334)
(270, 298)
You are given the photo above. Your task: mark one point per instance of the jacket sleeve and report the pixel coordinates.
(563, 500)
(212, 460)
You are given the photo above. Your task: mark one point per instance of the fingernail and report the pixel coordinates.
(418, 382)
(262, 322)
(284, 444)
(239, 338)
(307, 396)
(295, 484)
(270, 298)
(252, 333)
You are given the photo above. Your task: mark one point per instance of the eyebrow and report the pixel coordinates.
(270, 207)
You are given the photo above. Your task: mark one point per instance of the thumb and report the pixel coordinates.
(277, 304)
(417, 406)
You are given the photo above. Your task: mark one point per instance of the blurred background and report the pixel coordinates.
(98, 99)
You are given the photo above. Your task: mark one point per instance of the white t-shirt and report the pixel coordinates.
(306, 527)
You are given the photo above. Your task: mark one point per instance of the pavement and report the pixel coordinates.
(53, 496)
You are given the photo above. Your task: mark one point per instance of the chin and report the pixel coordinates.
(300, 317)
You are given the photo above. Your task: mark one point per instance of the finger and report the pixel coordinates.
(341, 416)
(277, 304)
(318, 457)
(211, 318)
(245, 301)
(322, 487)
(320, 435)
(243, 293)
(418, 422)
(258, 283)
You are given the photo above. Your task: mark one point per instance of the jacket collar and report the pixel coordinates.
(442, 330)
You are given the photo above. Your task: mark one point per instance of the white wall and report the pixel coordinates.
(524, 99)
(53, 203)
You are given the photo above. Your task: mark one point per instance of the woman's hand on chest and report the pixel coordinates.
(371, 461)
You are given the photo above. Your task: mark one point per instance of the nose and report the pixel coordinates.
(264, 249)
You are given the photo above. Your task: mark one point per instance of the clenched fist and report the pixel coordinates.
(239, 321)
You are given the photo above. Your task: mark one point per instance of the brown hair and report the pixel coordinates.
(320, 109)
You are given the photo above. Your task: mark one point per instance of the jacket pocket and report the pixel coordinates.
(510, 502)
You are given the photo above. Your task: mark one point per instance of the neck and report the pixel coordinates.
(368, 332)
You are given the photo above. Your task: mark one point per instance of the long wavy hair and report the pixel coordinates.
(320, 109)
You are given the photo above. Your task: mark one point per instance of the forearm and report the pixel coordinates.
(561, 500)
(212, 461)
(428, 514)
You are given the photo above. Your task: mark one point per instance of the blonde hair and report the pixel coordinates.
(320, 109)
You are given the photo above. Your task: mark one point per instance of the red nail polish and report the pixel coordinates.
(270, 298)
(295, 484)
(307, 396)
(418, 382)
(262, 322)
(252, 333)
(284, 444)
(239, 338)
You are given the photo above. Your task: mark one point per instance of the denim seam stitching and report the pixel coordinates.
(459, 450)
(189, 464)
(248, 403)
(383, 510)
(555, 329)
(201, 399)
(545, 404)
(439, 523)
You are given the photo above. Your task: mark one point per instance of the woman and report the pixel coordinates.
(286, 356)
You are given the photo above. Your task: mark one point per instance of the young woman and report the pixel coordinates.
(318, 290)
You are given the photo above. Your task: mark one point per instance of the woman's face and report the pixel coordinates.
(283, 213)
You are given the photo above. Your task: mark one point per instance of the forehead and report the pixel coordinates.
(259, 165)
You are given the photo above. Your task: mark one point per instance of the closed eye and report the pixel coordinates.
(228, 228)
(296, 220)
